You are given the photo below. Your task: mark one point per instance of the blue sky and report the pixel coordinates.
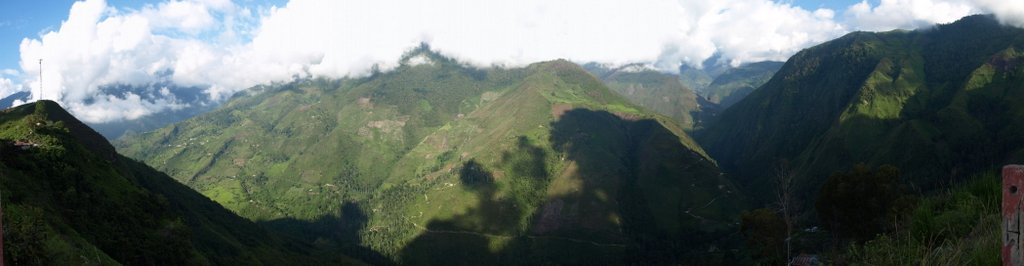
(20, 19)
(837, 5)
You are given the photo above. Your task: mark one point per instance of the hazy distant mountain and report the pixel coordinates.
(699, 78)
(523, 165)
(722, 84)
(188, 101)
(656, 91)
(736, 83)
(8, 101)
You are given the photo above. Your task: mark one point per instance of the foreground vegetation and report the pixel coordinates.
(959, 226)
(870, 220)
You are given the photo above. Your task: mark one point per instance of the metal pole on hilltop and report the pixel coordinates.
(40, 82)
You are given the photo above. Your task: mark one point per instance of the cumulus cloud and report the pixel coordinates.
(1009, 12)
(222, 47)
(8, 87)
(906, 14)
(337, 38)
(911, 14)
(101, 46)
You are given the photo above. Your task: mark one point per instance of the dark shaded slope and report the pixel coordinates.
(632, 193)
(68, 199)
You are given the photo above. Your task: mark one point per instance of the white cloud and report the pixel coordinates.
(130, 106)
(906, 14)
(191, 17)
(338, 38)
(1008, 11)
(8, 87)
(225, 48)
(99, 45)
(911, 14)
(421, 59)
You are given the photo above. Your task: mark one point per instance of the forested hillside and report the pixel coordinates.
(535, 164)
(938, 103)
(68, 198)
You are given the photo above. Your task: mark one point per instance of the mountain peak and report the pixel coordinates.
(979, 20)
(424, 55)
(556, 66)
(51, 111)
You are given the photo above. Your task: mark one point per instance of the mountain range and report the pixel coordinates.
(440, 157)
(440, 162)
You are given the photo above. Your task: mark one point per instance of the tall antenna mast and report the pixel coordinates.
(40, 78)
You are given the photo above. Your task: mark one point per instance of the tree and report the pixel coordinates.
(765, 232)
(856, 204)
(784, 198)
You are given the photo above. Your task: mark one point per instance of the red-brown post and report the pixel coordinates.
(1, 235)
(1013, 190)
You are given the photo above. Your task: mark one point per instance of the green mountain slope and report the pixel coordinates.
(939, 103)
(736, 83)
(436, 162)
(69, 198)
(659, 92)
(698, 79)
(717, 88)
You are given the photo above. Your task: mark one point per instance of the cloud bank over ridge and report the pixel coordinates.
(225, 47)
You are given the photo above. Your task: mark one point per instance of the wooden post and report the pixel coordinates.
(1013, 190)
